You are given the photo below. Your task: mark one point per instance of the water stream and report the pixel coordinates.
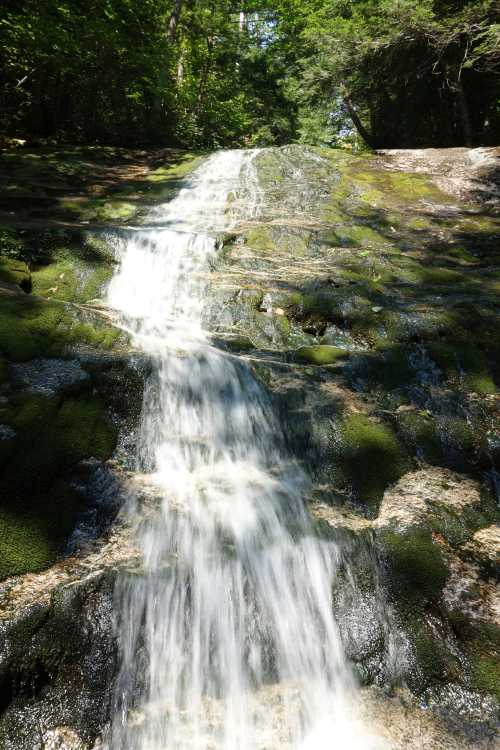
(227, 635)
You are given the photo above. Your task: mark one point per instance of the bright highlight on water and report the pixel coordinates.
(227, 635)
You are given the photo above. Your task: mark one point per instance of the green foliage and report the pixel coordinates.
(380, 65)
(114, 71)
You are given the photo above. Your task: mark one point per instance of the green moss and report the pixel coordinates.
(53, 437)
(32, 328)
(39, 505)
(438, 276)
(391, 368)
(420, 434)
(358, 235)
(259, 237)
(436, 662)
(14, 271)
(481, 642)
(69, 278)
(416, 567)
(481, 383)
(31, 412)
(189, 161)
(368, 457)
(11, 245)
(419, 223)
(84, 430)
(458, 435)
(321, 307)
(465, 362)
(321, 354)
(4, 371)
(56, 279)
(113, 210)
(24, 545)
(29, 329)
(486, 674)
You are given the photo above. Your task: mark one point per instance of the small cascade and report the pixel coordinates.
(227, 635)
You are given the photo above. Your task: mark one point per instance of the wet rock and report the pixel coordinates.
(404, 723)
(49, 376)
(62, 738)
(6, 432)
(57, 669)
(472, 713)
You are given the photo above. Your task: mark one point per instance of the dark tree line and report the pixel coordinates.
(220, 72)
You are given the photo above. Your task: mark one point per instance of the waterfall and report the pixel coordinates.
(228, 640)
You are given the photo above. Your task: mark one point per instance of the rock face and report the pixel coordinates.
(57, 668)
(364, 297)
(429, 497)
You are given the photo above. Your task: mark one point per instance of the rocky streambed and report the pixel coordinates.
(364, 295)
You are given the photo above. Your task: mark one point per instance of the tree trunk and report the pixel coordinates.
(463, 109)
(369, 139)
(174, 20)
(180, 69)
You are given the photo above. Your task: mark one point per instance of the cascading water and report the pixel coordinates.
(228, 639)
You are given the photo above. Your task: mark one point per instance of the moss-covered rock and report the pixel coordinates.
(39, 503)
(437, 499)
(420, 433)
(16, 272)
(367, 457)
(435, 655)
(481, 643)
(416, 568)
(31, 327)
(53, 428)
(321, 354)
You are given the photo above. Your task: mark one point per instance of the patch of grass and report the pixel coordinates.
(14, 271)
(84, 430)
(11, 245)
(69, 278)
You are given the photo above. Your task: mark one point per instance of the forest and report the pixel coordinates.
(214, 73)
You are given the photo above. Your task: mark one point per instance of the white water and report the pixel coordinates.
(228, 639)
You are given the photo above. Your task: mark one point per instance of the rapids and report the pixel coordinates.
(228, 637)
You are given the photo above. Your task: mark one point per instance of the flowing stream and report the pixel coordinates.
(228, 639)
